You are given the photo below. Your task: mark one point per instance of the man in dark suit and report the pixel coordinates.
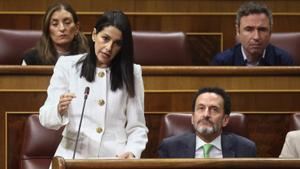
(211, 109)
(253, 29)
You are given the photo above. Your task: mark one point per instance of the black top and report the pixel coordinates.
(32, 58)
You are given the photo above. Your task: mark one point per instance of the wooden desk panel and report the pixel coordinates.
(241, 100)
(146, 6)
(172, 78)
(168, 89)
(248, 163)
(172, 88)
(230, 78)
(24, 77)
(266, 129)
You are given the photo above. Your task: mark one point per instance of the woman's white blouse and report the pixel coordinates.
(113, 122)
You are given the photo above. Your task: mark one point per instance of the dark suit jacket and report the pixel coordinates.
(233, 57)
(183, 146)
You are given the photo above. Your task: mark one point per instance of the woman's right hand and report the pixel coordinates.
(64, 102)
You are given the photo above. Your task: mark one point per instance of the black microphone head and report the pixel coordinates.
(86, 92)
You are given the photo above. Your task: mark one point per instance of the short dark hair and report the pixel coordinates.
(217, 90)
(253, 8)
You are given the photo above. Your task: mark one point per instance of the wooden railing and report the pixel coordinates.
(248, 163)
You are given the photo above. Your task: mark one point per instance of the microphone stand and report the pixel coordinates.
(86, 93)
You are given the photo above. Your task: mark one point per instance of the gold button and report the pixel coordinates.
(101, 102)
(99, 129)
(101, 74)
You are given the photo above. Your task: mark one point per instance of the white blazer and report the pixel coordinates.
(291, 147)
(113, 122)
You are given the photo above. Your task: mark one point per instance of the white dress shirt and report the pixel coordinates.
(215, 152)
(245, 58)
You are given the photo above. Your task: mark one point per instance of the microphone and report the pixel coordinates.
(86, 93)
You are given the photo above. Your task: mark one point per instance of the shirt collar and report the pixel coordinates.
(216, 143)
(245, 57)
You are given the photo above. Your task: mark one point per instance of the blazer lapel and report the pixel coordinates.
(227, 146)
(239, 59)
(189, 144)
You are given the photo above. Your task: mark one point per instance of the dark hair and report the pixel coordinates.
(45, 47)
(122, 64)
(218, 91)
(253, 8)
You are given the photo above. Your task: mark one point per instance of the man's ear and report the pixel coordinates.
(192, 119)
(226, 119)
(237, 33)
(237, 30)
